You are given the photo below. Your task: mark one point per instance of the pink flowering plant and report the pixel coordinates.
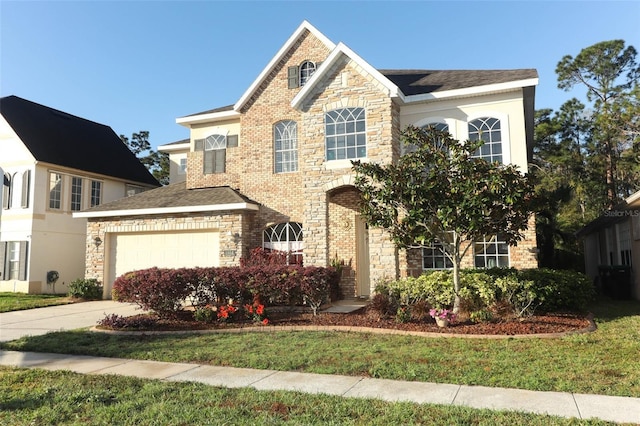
(442, 314)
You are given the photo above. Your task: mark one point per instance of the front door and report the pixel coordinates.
(363, 286)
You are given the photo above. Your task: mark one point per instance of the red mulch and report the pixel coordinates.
(538, 324)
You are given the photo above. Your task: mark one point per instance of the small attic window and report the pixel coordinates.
(306, 71)
(299, 75)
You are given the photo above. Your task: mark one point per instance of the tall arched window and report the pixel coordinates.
(285, 147)
(285, 237)
(443, 127)
(488, 130)
(345, 133)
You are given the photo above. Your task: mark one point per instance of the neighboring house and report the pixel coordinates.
(612, 248)
(273, 170)
(177, 159)
(55, 164)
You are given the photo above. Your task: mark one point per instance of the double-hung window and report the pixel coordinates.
(285, 147)
(345, 134)
(55, 191)
(76, 194)
(434, 257)
(215, 151)
(96, 193)
(13, 260)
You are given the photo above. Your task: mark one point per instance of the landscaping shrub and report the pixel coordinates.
(160, 290)
(560, 290)
(86, 288)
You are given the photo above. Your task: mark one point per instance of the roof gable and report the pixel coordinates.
(59, 138)
(340, 51)
(299, 32)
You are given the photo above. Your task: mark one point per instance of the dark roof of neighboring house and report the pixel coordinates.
(63, 139)
(175, 195)
(418, 82)
(620, 212)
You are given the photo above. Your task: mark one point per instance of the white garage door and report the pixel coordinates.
(132, 251)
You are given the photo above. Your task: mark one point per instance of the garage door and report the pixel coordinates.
(133, 251)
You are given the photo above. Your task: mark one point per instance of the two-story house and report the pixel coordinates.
(273, 170)
(55, 164)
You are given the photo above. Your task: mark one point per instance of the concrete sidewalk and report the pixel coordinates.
(14, 325)
(581, 406)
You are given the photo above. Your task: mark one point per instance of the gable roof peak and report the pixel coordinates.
(299, 32)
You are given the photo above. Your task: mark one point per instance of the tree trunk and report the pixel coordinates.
(456, 272)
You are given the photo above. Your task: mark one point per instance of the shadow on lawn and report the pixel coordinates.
(606, 309)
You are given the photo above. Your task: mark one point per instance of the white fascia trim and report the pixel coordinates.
(633, 197)
(206, 118)
(342, 49)
(174, 147)
(471, 91)
(168, 210)
(283, 50)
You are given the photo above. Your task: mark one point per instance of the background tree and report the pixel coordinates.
(610, 73)
(439, 192)
(155, 161)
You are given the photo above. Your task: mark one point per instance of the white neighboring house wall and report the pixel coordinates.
(177, 159)
(54, 240)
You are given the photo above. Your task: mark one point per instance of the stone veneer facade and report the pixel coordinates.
(319, 195)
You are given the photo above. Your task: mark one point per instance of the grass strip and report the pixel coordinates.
(38, 397)
(20, 301)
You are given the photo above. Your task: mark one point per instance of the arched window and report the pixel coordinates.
(345, 133)
(307, 68)
(443, 127)
(285, 237)
(487, 129)
(6, 191)
(285, 147)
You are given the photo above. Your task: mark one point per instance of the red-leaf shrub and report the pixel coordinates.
(165, 291)
(160, 290)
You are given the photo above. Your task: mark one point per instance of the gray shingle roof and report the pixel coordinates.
(418, 82)
(175, 195)
(63, 139)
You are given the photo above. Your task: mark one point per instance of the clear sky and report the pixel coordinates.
(140, 65)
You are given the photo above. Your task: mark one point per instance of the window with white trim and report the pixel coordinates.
(182, 166)
(6, 191)
(491, 252)
(488, 130)
(345, 134)
(285, 147)
(443, 127)
(76, 194)
(96, 193)
(13, 260)
(55, 191)
(307, 68)
(286, 237)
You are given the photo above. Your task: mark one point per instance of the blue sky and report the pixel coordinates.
(140, 65)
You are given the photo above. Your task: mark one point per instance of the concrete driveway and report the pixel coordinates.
(34, 322)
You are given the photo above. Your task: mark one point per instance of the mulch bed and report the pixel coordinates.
(538, 324)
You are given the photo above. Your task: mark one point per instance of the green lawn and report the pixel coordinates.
(19, 301)
(38, 397)
(602, 362)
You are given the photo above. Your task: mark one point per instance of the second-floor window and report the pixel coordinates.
(285, 147)
(443, 127)
(76, 194)
(345, 134)
(306, 71)
(182, 167)
(55, 191)
(215, 151)
(488, 130)
(16, 192)
(96, 193)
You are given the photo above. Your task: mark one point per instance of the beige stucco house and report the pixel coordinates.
(273, 169)
(612, 247)
(55, 164)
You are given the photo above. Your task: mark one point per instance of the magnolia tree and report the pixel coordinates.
(438, 192)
